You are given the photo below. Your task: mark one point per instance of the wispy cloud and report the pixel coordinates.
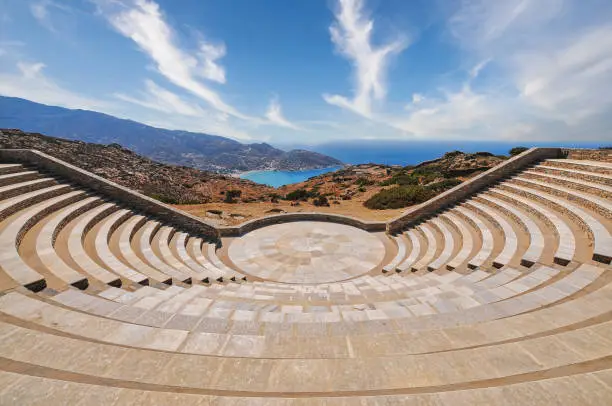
(143, 22)
(552, 75)
(274, 114)
(571, 83)
(41, 10)
(30, 82)
(209, 55)
(157, 98)
(160, 107)
(352, 35)
(174, 112)
(460, 113)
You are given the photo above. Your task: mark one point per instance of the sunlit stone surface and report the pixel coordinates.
(307, 252)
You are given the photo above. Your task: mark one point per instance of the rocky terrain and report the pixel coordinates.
(357, 181)
(202, 151)
(167, 183)
(359, 190)
(355, 190)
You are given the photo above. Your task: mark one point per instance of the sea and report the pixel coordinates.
(389, 153)
(281, 178)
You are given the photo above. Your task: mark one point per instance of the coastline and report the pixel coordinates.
(241, 174)
(308, 173)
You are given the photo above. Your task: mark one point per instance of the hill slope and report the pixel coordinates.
(168, 183)
(202, 151)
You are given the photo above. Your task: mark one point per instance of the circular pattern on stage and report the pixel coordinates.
(307, 252)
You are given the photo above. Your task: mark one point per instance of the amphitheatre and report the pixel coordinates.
(497, 291)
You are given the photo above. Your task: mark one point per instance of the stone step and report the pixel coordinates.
(107, 257)
(584, 165)
(510, 247)
(567, 242)
(16, 189)
(589, 388)
(536, 238)
(447, 249)
(126, 232)
(45, 242)
(14, 230)
(18, 177)
(602, 240)
(467, 241)
(594, 177)
(148, 255)
(77, 252)
(399, 257)
(5, 169)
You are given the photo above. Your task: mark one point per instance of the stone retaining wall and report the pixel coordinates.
(289, 217)
(424, 210)
(176, 218)
(604, 155)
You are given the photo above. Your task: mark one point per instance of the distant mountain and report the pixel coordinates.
(202, 151)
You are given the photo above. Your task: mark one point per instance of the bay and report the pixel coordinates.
(280, 178)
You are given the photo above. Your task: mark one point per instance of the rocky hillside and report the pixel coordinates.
(393, 187)
(368, 191)
(168, 183)
(202, 151)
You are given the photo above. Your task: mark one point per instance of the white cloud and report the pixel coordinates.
(275, 115)
(41, 10)
(31, 83)
(551, 75)
(157, 98)
(572, 82)
(475, 71)
(209, 54)
(352, 36)
(417, 98)
(179, 114)
(461, 114)
(484, 24)
(142, 21)
(170, 111)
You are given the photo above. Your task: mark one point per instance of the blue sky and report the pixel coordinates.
(311, 71)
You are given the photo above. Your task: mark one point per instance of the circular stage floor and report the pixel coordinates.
(307, 252)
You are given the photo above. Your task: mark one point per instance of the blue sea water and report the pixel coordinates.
(280, 178)
(391, 153)
(414, 152)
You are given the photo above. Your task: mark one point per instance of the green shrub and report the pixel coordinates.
(301, 194)
(427, 174)
(441, 186)
(321, 201)
(232, 195)
(517, 150)
(361, 189)
(364, 182)
(398, 197)
(274, 197)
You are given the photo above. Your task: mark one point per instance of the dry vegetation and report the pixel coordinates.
(369, 191)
